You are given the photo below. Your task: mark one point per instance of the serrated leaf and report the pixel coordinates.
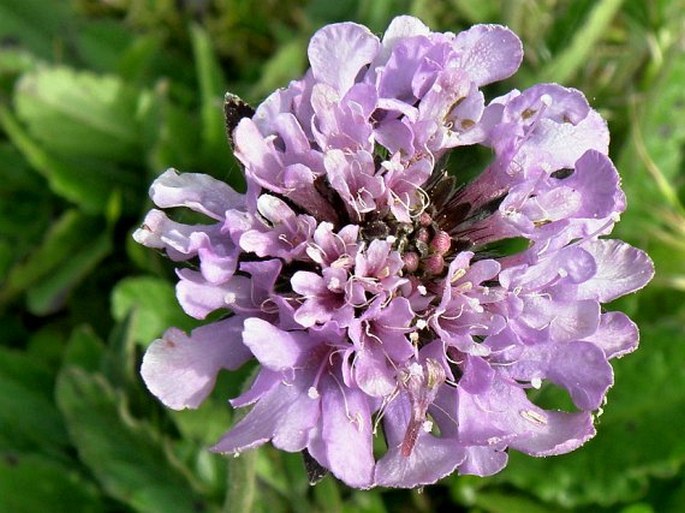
(28, 417)
(638, 436)
(32, 482)
(79, 114)
(154, 303)
(126, 456)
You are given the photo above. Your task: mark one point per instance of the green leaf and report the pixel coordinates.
(26, 207)
(72, 247)
(86, 181)
(483, 11)
(154, 303)
(584, 41)
(129, 460)
(212, 88)
(651, 161)
(79, 114)
(638, 436)
(84, 350)
(34, 24)
(499, 502)
(31, 482)
(651, 164)
(285, 65)
(28, 417)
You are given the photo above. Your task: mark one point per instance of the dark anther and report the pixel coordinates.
(562, 173)
(486, 209)
(375, 230)
(451, 217)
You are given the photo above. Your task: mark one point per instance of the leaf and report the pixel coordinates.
(26, 206)
(499, 502)
(79, 114)
(212, 88)
(85, 181)
(129, 460)
(84, 350)
(584, 41)
(72, 247)
(477, 12)
(34, 24)
(28, 417)
(638, 436)
(154, 303)
(32, 482)
(651, 160)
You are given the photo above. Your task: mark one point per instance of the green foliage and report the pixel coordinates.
(97, 98)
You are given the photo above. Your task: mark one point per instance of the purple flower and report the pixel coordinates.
(386, 302)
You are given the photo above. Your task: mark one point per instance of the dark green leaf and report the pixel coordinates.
(129, 460)
(28, 417)
(86, 181)
(37, 25)
(73, 245)
(30, 483)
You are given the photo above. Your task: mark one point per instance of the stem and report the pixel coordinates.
(242, 477)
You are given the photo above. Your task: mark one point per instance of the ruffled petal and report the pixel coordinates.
(621, 269)
(284, 415)
(349, 46)
(196, 191)
(489, 53)
(181, 370)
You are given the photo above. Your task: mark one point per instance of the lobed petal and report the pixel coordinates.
(181, 370)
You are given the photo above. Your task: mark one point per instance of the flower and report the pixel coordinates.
(389, 303)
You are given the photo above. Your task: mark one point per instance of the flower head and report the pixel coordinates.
(374, 289)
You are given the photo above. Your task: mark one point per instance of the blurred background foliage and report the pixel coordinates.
(97, 97)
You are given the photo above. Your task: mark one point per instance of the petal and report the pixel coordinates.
(199, 298)
(483, 460)
(555, 433)
(579, 367)
(196, 191)
(597, 179)
(285, 414)
(339, 51)
(346, 434)
(274, 348)
(621, 269)
(372, 372)
(617, 334)
(430, 459)
(402, 27)
(489, 53)
(181, 370)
